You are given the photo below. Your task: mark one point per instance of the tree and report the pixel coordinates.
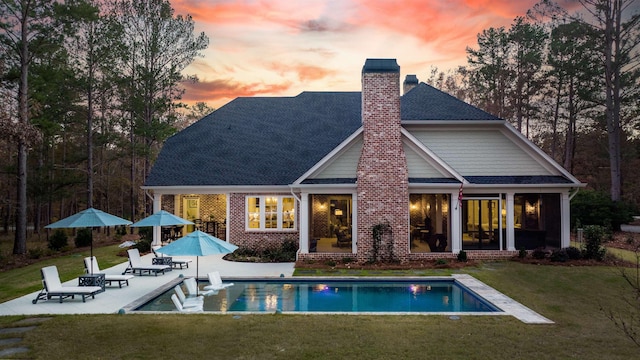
(27, 29)
(619, 36)
(160, 46)
(528, 42)
(489, 71)
(572, 60)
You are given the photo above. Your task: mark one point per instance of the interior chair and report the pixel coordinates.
(91, 267)
(51, 287)
(343, 239)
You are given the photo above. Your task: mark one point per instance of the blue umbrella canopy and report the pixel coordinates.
(89, 218)
(162, 218)
(197, 243)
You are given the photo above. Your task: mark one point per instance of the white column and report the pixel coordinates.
(304, 223)
(511, 235)
(354, 222)
(456, 223)
(157, 204)
(565, 218)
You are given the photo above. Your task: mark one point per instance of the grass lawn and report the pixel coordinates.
(572, 296)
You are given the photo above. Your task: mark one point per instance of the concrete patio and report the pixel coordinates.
(115, 298)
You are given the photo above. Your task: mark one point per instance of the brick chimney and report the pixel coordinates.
(409, 83)
(383, 192)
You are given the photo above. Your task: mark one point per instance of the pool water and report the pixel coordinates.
(337, 296)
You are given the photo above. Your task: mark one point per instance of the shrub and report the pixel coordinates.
(36, 253)
(330, 263)
(539, 254)
(83, 238)
(58, 240)
(594, 235)
(143, 245)
(441, 262)
(559, 255)
(574, 253)
(522, 253)
(347, 260)
(146, 233)
(462, 256)
(597, 208)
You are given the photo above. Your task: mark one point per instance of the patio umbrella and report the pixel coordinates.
(197, 244)
(161, 218)
(88, 219)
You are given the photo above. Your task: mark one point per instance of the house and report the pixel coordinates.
(367, 175)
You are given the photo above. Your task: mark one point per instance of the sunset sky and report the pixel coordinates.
(284, 47)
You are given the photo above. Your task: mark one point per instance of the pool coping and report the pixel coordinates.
(507, 306)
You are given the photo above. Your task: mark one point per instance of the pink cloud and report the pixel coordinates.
(304, 72)
(223, 90)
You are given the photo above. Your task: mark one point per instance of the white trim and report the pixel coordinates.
(262, 214)
(433, 159)
(548, 163)
(328, 159)
(172, 190)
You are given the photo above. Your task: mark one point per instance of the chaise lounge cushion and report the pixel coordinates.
(136, 265)
(91, 267)
(53, 287)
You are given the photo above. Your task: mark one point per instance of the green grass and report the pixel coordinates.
(24, 280)
(570, 296)
(573, 297)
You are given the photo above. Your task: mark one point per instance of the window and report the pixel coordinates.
(271, 213)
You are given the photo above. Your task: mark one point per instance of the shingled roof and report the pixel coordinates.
(274, 140)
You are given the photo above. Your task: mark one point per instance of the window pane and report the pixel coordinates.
(253, 210)
(288, 213)
(271, 213)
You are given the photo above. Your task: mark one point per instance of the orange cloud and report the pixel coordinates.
(304, 72)
(220, 91)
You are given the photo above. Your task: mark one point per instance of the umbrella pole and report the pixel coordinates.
(197, 269)
(91, 270)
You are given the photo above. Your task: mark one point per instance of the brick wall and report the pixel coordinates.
(382, 168)
(258, 240)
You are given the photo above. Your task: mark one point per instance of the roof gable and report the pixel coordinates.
(424, 102)
(257, 141)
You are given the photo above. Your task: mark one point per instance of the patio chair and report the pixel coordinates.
(187, 302)
(108, 278)
(215, 282)
(181, 308)
(136, 265)
(175, 262)
(51, 287)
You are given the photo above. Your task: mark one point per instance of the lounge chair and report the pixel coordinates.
(51, 287)
(175, 262)
(136, 265)
(215, 282)
(187, 302)
(181, 308)
(108, 278)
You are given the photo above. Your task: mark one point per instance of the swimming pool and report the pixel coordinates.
(337, 295)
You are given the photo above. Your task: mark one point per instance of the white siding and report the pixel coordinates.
(419, 167)
(345, 165)
(480, 152)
